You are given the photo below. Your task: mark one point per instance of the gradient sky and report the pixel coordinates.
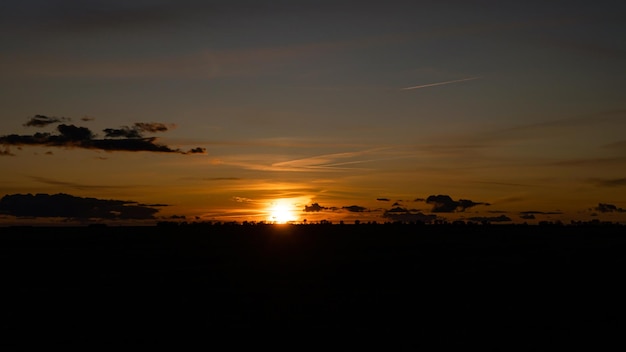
(520, 105)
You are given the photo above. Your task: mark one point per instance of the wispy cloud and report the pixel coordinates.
(222, 179)
(335, 162)
(76, 185)
(441, 83)
(614, 182)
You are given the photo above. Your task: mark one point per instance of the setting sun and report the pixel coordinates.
(281, 212)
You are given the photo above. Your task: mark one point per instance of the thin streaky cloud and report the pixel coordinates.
(76, 185)
(441, 83)
(326, 159)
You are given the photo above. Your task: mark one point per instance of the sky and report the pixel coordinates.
(133, 112)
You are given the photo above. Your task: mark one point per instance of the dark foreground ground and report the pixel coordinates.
(495, 287)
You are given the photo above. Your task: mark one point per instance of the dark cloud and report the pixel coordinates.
(71, 207)
(122, 139)
(501, 218)
(497, 212)
(355, 209)
(6, 152)
(541, 212)
(315, 207)
(527, 216)
(87, 118)
(405, 215)
(152, 127)
(445, 204)
(613, 182)
(154, 205)
(137, 130)
(608, 208)
(43, 121)
(197, 150)
(124, 132)
(397, 210)
(383, 199)
(74, 133)
(396, 204)
(419, 200)
(177, 217)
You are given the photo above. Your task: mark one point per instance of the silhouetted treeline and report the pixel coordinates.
(505, 287)
(594, 222)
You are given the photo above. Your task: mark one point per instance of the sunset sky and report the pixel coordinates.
(319, 110)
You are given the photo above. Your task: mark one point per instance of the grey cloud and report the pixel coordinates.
(355, 209)
(42, 120)
(445, 204)
(405, 215)
(197, 150)
(315, 207)
(501, 218)
(124, 132)
(137, 130)
(73, 133)
(71, 207)
(608, 208)
(541, 212)
(71, 136)
(177, 217)
(153, 127)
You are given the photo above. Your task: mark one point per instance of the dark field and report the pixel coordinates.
(495, 287)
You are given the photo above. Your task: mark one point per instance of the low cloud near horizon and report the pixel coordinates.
(74, 208)
(406, 215)
(608, 208)
(445, 204)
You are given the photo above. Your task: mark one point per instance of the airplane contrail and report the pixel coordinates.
(441, 83)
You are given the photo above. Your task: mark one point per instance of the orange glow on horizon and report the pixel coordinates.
(282, 212)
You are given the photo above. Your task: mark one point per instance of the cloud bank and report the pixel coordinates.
(405, 215)
(501, 218)
(315, 207)
(355, 209)
(43, 121)
(73, 208)
(445, 204)
(126, 138)
(608, 208)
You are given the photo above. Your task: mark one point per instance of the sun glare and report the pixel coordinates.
(281, 213)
